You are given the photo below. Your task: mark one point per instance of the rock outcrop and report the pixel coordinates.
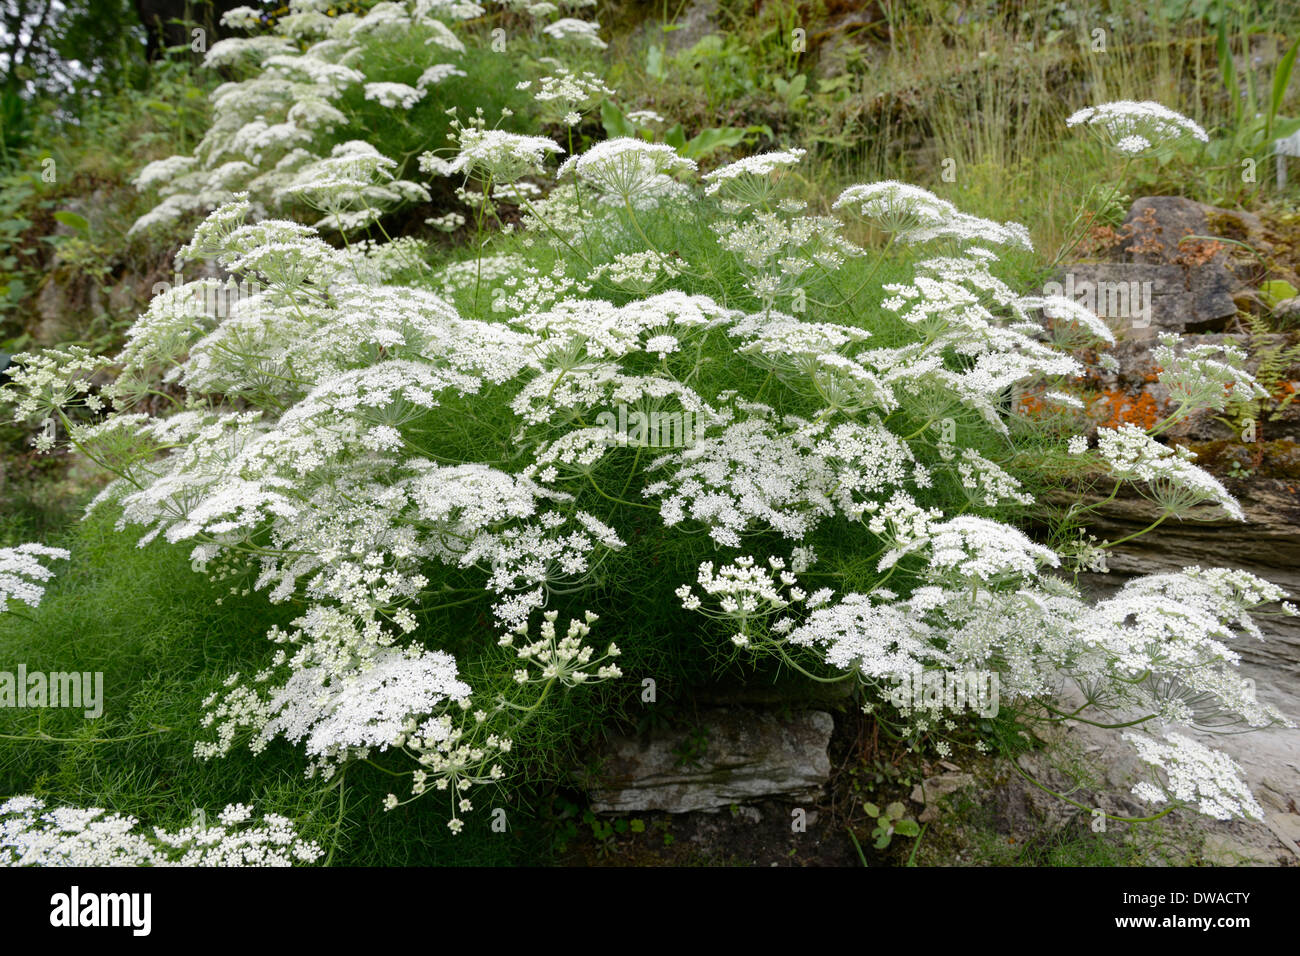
(731, 755)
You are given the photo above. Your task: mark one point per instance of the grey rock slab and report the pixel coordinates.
(1140, 299)
(938, 787)
(731, 756)
(1223, 850)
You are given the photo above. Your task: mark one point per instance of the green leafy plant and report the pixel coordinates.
(699, 146)
(891, 821)
(693, 748)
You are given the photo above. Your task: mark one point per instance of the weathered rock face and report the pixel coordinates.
(1109, 768)
(1170, 275)
(930, 791)
(1167, 259)
(1140, 300)
(1145, 400)
(734, 755)
(1156, 227)
(1195, 289)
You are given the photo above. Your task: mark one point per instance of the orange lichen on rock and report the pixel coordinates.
(1141, 410)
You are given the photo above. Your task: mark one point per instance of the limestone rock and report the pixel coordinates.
(940, 786)
(735, 756)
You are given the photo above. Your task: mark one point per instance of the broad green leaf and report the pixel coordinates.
(1276, 290)
(1281, 77)
(654, 62)
(615, 122)
(1226, 67)
(72, 220)
(1284, 128)
(710, 140)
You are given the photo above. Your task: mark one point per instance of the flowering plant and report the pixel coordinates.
(429, 470)
(327, 103)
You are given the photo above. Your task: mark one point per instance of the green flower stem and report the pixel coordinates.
(619, 501)
(1075, 803)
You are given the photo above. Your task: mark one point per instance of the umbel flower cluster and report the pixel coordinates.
(379, 452)
(31, 835)
(23, 576)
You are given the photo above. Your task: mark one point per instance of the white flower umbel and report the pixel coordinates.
(973, 547)
(1133, 128)
(567, 94)
(779, 254)
(1205, 377)
(752, 180)
(568, 659)
(1168, 474)
(1195, 776)
(637, 272)
(31, 835)
(746, 594)
(896, 207)
(394, 95)
(354, 180)
(870, 637)
(493, 154)
(625, 167)
(22, 576)
(1062, 309)
(579, 32)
